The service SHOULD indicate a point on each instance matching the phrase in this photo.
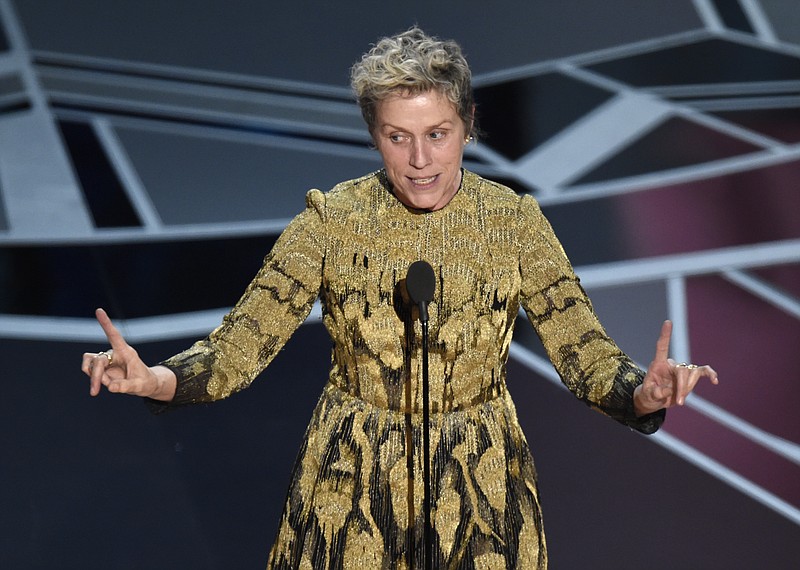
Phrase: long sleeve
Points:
(589, 363)
(273, 305)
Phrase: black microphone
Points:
(420, 283)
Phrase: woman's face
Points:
(421, 140)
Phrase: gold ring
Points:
(682, 365)
(692, 366)
(107, 355)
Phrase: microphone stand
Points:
(421, 283)
(426, 441)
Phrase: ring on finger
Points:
(108, 355)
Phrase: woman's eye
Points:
(437, 135)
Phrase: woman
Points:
(356, 491)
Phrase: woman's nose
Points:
(420, 155)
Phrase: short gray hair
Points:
(413, 62)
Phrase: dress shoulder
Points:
(349, 195)
(492, 193)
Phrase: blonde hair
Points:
(411, 63)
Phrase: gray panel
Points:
(168, 98)
(204, 180)
(42, 197)
(318, 45)
(784, 18)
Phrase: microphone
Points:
(420, 283)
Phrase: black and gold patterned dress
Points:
(355, 499)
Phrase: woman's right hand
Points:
(121, 370)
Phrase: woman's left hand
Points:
(667, 382)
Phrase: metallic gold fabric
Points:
(355, 499)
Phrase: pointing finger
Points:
(112, 333)
(662, 344)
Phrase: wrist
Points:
(165, 383)
(640, 403)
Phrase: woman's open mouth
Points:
(424, 181)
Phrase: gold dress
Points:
(355, 499)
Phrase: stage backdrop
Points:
(150, 153)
